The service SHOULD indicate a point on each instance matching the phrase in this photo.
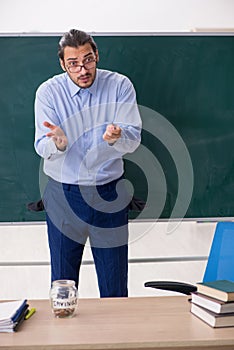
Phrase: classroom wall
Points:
(155, 254)
(112, 16)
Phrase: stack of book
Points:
(12, 314)
(213, 302)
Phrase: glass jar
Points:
(63, 298)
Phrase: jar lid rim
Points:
(64, 282)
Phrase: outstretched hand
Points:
(112, 133)
(57, 135)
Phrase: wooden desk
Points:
(128, 323)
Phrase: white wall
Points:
(111, 16)
(24, 256)
(154, 255)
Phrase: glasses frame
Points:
(79, 67)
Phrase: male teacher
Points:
(86, 119)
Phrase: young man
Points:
(86, 119)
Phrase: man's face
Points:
(76, 57)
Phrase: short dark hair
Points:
(75, 38)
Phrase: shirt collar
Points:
(75, 89)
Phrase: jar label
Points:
(64, 303)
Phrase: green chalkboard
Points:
(186, 80)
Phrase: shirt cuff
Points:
(52, 149)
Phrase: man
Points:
(86, 119)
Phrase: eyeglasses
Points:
(74, 67)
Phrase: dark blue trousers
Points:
(75, 213)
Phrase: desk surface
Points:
(127, 323)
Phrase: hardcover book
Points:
(212, 304)
(222, 289)
(211, 318)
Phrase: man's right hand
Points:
(57, 135)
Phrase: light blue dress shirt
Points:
(83, 114)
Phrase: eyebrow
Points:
(75, 58)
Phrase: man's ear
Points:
(97, 56)
(62, 64)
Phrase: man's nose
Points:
(83, 69)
